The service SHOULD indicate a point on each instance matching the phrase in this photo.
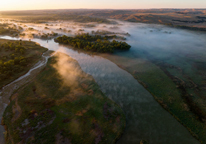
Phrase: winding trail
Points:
(7, 91)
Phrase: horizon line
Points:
(99, 9)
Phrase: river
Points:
(146, 119)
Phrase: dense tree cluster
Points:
(104, 32)
(95, 43)
(11, 46)
(14, 62)
(112, 34)
(48, 35)
(5, 29)
(30, 29)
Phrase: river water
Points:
(146, 119)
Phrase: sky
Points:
(98, 4)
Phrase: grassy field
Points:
(62, 105)
(32, 53)
(171, 88)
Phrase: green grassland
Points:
(16, 58)
(173, 87)
(62, 106)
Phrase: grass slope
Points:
(62, 105)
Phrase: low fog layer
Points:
(144, 115)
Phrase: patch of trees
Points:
(46, 36)
(5, 29)
(186, 27)
(9, 68)
(14, 62)
(14, 47)
(94, 43)
(30, 29)
(89, 25)
(20, 28)
(80, 30)
(186, 21)
(104, 32)
(110, 35)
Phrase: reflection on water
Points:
(146, 119)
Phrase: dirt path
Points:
(7, 91)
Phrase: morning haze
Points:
(103, 72)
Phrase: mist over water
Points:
(146, 119)
(163, 42)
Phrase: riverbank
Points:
(62, 105)
(8, 90)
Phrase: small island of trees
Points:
(95, 43)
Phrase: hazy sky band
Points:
(99, 4)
